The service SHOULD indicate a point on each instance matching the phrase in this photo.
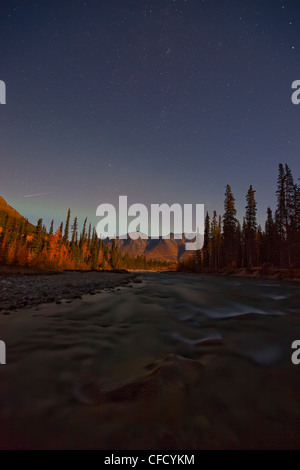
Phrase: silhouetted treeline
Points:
(230, 245)
(64, 249)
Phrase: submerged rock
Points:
(172, 372)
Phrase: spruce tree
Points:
(280, 214)
(229, 229)
(51, 228)
(290, 220)
(67, 226)
(74, 237)
(94, 250)
(289, 199)
(297, 207)
(270, 252)
(83, 235)
(207, 242)
(38, 238)
(251, 226)
(89, 236)
(215, 240)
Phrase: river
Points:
(179, 361)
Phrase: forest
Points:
(229, 245)
(65, 248)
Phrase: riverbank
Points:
(24, 289)
(272, 274)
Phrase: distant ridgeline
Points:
(228, 244)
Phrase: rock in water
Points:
(173, 372)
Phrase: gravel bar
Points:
(26, 290)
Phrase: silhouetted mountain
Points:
(158, 249)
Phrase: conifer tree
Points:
(83, 235)
(66, 234)
(289, 199)
(280, 214)
(73, 247)
(51, 228)
(207, 242)
(251, 226)
(89, 236)
(270, 240)
(215, 241)
(297, 208)
(229, 229)
(38, 238)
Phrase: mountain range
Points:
(136, 244)
(161, 249)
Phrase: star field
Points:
(163, 101)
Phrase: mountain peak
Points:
(6, 209)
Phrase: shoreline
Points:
(277, 275)
(25, 287)
(20, 290)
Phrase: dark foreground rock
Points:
(173, 374)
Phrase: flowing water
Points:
(180, 361)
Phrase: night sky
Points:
(162, 101)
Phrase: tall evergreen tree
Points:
(290, 214)
(83, 234)
(51, 228)
(94, 250)
(297, 207)
(289, 199)
(74, 233)
(251, 226)
(215, 241)
(89, 236)
(38, 238)
(280, 214)
(207, 242)
(270, 237)
(67, 226)
(230, 247)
